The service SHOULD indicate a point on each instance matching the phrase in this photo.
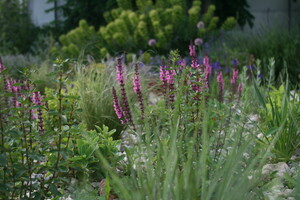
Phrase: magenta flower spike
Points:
(136, 81)
(171, 82)
(220, 80)
(121, 81)
(195, 64)
(192, 50)
(120, 72)
(138, 90)
(163, 77)
(117, 107)
(170, 76)
(206, 61)
(208, 71)
(182, 64)
(2, 67)
(37, 100)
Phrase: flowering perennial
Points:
(117, 107)
(138, 90)
(234, 79)
(125, 104)
(220, 80)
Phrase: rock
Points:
(279, 192)
(281, 168)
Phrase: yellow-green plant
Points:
(169, 23)
(83, 38)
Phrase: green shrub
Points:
(281, 121)
(43, 145)
(170, 23)
(84, 38)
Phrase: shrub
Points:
(43, 145)
(170, 23)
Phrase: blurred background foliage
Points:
(114, 27)
(17, 33)
(131, 26)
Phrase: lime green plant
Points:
(83, 38)
(283, 116)
(169, 23)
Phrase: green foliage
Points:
(281, 118)
(191, 148)
(283, 46)
(94, 84)
(73, 11)
(83, 38)
(130, 30)
(41, 155)
(239, 9)
(89, 147)
(17, 33)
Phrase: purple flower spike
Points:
(163, 76)
(37, 100)
(192, 50)
(206, 61)
(138, 90)
(26, 85)
(170, 80)
(117, 106)
(170, 76)
(126, 108)
(208, 72)
(2, 67)
(120, 71)
(182, 63)
(220, 80)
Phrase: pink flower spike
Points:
(117, 106)
(2, 67)
(120, 72)
(192, 50)
(220, 80)
(136, 81)
(206, 61)
(234, 79)
(170, 76)
(208, 72)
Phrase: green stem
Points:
(13, 175)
